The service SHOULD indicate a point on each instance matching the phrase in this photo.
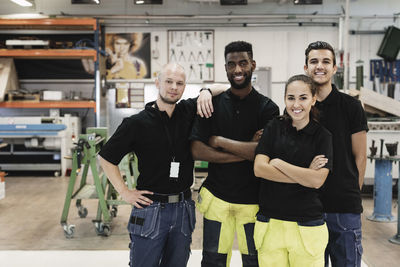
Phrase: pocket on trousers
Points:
(359, 247)
(143, 222)
(204, 200)
(260, 231)
(188, 218)
(348, 221)
(314, 238)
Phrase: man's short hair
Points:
(239, 46)
(318, 45)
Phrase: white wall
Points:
(281, 48)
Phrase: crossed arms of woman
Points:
(278, 170)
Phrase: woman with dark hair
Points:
(293, 157)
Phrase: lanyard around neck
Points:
(164, 123)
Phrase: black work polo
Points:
(285, 201)
(236, 119)
(343, 116)
(146, 134)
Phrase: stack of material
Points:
(378, 103)
(8, 76)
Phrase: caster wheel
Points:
(82, 212)
(114, 211)
(102, 229)
(69, 231)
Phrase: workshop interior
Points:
(61, 98)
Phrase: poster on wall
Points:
(128, 56)
(194, 50)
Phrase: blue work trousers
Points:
(161, 234)
(344, 246)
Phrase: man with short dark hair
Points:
(228, 198)
(344, 117)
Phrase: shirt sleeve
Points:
(269, 111)
(324, 147)
(265, 145)
(358, 120)
(201, 130)
(120, 143)
(190, 107)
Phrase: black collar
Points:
(230, 95)
(309, 129)
(332, 97)
(153, 108)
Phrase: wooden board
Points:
(380, 102)
(8, 76)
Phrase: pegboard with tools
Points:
(385, 77)
(194, 50)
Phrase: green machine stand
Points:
(85, 153)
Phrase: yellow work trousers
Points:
(285, 243)
(221, 220)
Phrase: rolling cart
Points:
(85, 153)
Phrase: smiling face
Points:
(171, 84)
(320, 66)
(298, 101)
(239, 68)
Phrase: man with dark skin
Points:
(228, 198)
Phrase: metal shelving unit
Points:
(56, 24)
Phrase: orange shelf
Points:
(48, 53)
(75, 23)
(49, 104)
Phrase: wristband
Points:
(208, 89)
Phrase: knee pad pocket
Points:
(249, 232)
(211, 235)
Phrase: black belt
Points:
(171, 198)
(318, 222)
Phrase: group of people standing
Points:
(288, 186)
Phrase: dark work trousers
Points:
(161, 234)
(344, 246)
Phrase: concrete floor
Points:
(30, 220)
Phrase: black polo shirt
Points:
(236, 119)
(293, 202)
(145, 134)
(343, 116)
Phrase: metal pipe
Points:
(340, 42)
(239, 16)
(226, 25)
(346, 53)
(208, 17)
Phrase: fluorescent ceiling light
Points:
(22, 2)
(148, 2)
(24, 16)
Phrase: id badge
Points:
(174, 170)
